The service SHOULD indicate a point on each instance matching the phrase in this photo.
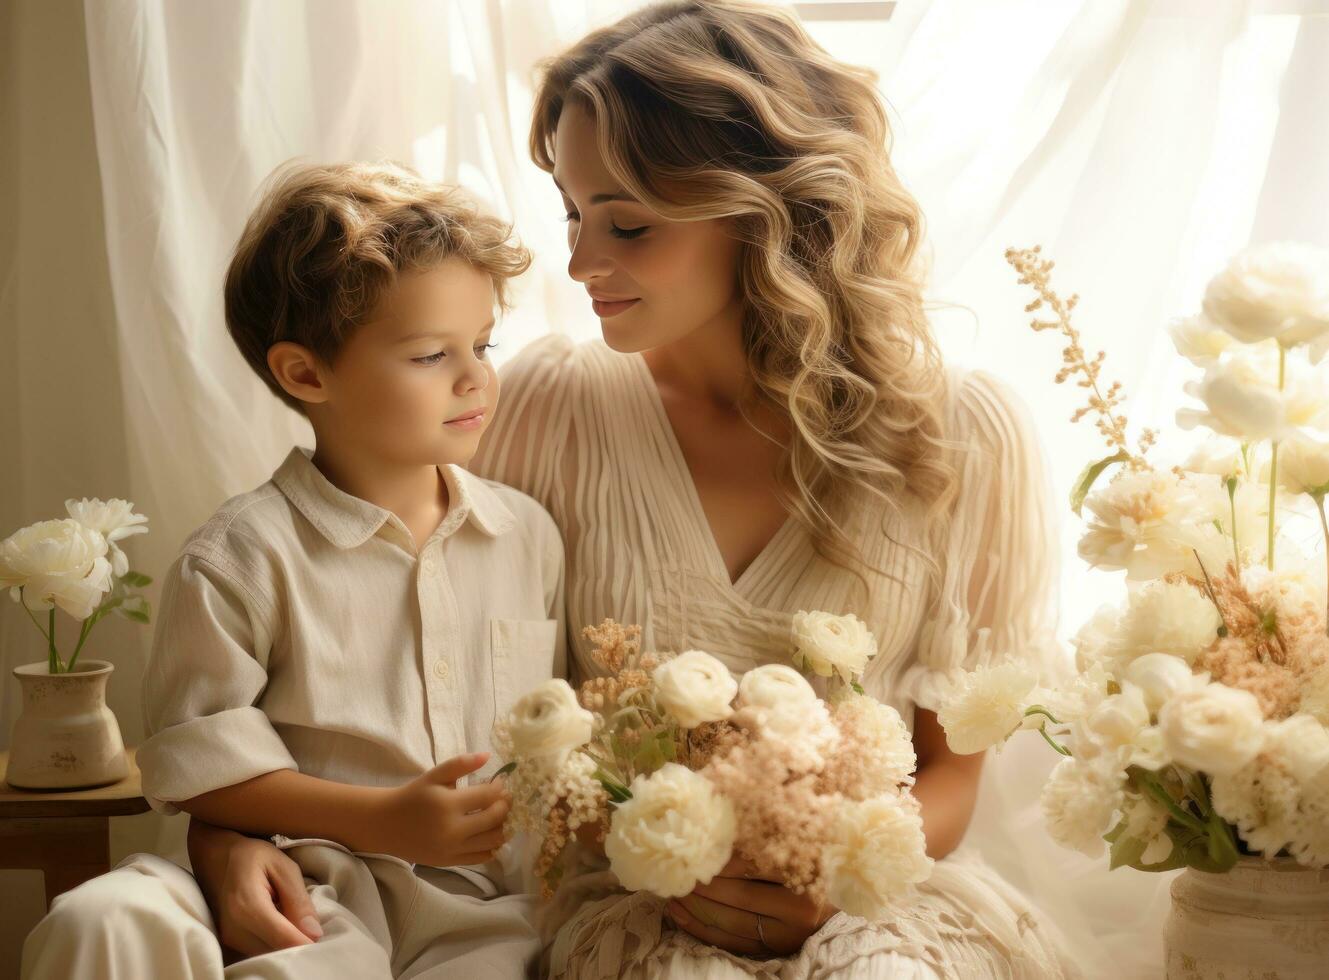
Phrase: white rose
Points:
(1079, 801)
(1161, 676)
(694, 688)
(677, 831)
(1170, 617)
(1303, 465)
(826, 644)
(877, 850)
(1273, 291)
(115, 519)
(775, 686)
(60, 563)
(1117, 722)
(1215, 729)
(986, 706)
(1198, 340)
(548, 722)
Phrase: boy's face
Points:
(414, 385)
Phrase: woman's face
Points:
(651, 281)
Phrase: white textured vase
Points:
(66, 737)
(1263, 920)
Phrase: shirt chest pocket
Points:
(521, 652)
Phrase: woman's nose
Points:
(587, 260)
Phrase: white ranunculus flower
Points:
(548, 722)
(1214, 729)
(1150, 522)
(775, 686)
(115, 519)
(876, 852)
(1198, 340)
(1273, 291)
(827, 644)
(1169, 617)
(1117, 722)
(1217, 456)
(1242, 398)
(1162, 676)
(694, 688)
(676, 832)
(1303, 465)
(61, 563)
(1079, 801)
(985, 706)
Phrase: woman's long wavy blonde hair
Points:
(720, 109)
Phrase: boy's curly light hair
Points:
(327, 241)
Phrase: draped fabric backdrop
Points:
(1140, 142)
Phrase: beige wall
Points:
(61, 415)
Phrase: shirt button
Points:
(441, 670)
(427, 566)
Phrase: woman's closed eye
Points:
(618, 232)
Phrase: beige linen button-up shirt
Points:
(301, 629)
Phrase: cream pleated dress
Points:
(583, 430)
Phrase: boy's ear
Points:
(299, 371)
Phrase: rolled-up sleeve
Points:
(206, 674)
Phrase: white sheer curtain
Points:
(1139, 142)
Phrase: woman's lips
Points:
(467, 422)
(605, 308)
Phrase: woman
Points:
(768, 427)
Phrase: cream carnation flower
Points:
(547, 723)
(827, 644)
(880, 736)
(694, 688)
(877, 851)
(1198, 340)
(986, 706)
(1149, 523)
(1315, 695)
(677, 831)
(1214, 729)
(61, 563)
(1274, 291)
(1169, 617)
(115, 519)
(1079, 801)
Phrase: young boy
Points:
(333, 647)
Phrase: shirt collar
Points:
(348, 522)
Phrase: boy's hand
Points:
(431, 821)
(257, 893)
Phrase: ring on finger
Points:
(761, 936)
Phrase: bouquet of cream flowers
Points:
(75, 563)
(676, 768)
(1195, 728)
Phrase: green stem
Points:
(88, 624)
(1273, 465)
(1058, 747)
(1232, 502)
(53, 664)
(1038, 709)
(1150, 785)
(1324, 526)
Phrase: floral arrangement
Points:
(76, 563)
(676, 767)
(1194, 730)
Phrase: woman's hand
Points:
(256, 893)
(748, 915)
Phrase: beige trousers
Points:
(380, 918)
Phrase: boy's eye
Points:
(483, 350)
(618, 232)
(429, 359)
(572, 216)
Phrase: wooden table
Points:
(64, 834)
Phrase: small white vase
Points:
(66, 737)
(1263, 920)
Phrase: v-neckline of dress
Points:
(715, 557)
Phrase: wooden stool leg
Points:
(68, 850)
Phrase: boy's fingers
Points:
(468, 799)
(476, 857)
(453, 769)
(490, 840)
(490, 818)
(293, 898)
(269, 927)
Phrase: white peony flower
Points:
(1198, 340)
(694, 688)
(1161, 676)
(677, 831)
(827, 644)
(56, 563)
(548, 722)
(115, 519)
(877, 851)
(1274, 291)
(1242, 398)
(1079, 801)
(1169, 617)
(1303, 465)
(986, 706)
(1149, 523)
(1117, 722)
(1214, 729)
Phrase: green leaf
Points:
(510, 767)
(135, 607)
(1085, 481)
(135, 580)
(858, 688)
(1125, 852)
